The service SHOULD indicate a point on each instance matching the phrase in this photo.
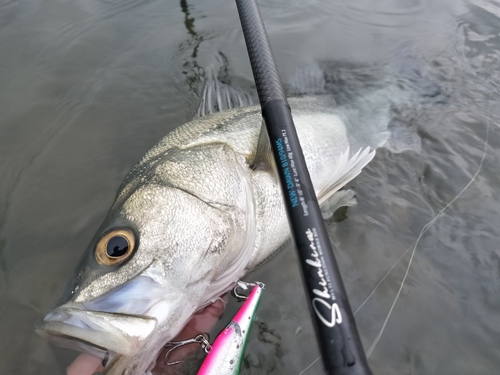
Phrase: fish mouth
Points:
(125, 323)
(96, 333)
(117, 322)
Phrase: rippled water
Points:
(86, 87)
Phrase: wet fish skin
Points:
(205, 209)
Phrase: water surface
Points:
(87, 87)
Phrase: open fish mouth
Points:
(117, 322)
(96, 332)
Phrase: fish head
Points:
(161, 254)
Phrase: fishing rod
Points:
(333, 321)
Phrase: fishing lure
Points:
(225, 355)
(224, 358)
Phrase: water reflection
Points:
(194, 73)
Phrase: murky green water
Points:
(87, 87)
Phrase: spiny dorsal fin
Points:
(218, 97)
(308, 80)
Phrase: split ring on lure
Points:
(245, 286)
(225, 355)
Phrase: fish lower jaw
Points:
(61, 340)
(97, 333)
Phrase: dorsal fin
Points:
(308, 80)
(217, 97)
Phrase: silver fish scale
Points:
(186, 194)
(203, 218)
(239, 128)
(210, 173)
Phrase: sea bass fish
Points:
(200, 210)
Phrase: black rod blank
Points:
(338, 338)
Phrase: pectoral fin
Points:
(347, 168)
(338, 199)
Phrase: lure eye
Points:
(115, 247)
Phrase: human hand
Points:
(202, 322)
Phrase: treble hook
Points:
(245, 286)
(201, 339)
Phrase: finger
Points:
(202, 322)
(84, 364)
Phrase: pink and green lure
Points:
(228, 348)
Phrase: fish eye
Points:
(115, 247)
